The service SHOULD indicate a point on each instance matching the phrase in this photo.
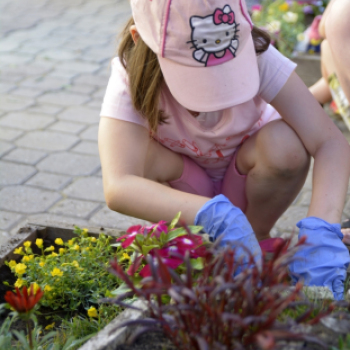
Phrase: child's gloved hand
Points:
(220, 218)
(324, 258)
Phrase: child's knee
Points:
(284, 154)
(162, 164)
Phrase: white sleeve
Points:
(274, 71)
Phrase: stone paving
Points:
(54, 68)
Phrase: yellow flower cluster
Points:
(19, 251)
(39, 242)
(284, 7)
(47, 288)
(92, 312)
(56, 272)
(19, 283)
(59, 241)
(20, 269)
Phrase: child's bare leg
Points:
(321, 92)
(320, 89)
(276, 163)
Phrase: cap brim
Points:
(207, 89)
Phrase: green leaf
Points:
(146, 249)
(123, 288)
(197, 264)
(174, 221)
(176, 233)
(163, 238)
(195, 229)
(139, 238)
(6, 283)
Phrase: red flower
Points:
(23, 302)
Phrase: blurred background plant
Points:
(286, 20)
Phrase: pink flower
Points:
(159, 228)
(130, 236)
(167, 259)
(257, 8)
(143, 230)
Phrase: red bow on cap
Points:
(221, 17)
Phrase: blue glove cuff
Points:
(314, 223)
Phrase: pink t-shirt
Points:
(212, 138)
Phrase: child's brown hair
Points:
(146, 78)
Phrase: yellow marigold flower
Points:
(12, 264)
(27, 258)
(41, 263)
(53, 254)
(61, 251)
(93, 239)
(19, 283)
(27, 244)
(20, 269)
(35, 287)
(50, 326)
(126, 256)
(56, 272)
(19, 251)
(39, 242)
(84, 232)
(50, 249)
(75, 263)
(70, 242)
(48, 288)
(92, 312)
(59, 241)
(284, 7)
(76, 247)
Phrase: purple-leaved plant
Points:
(215, 310)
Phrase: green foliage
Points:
(5, 335)
(283, 21)
(344, 343)
(79, 327)
(72, 274)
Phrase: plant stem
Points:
(29, 330)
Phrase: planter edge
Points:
(108, 338)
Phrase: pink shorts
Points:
(195, 180)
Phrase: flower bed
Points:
(49, 257)
(193, 295)
(41, 260)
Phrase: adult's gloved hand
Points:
(220, 218)
(323, 260)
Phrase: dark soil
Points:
(149, 341)
(5, 276)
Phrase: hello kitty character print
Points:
(214, 37)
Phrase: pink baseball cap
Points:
(204, 47)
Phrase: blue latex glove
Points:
(324, 259)
(220, 218)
